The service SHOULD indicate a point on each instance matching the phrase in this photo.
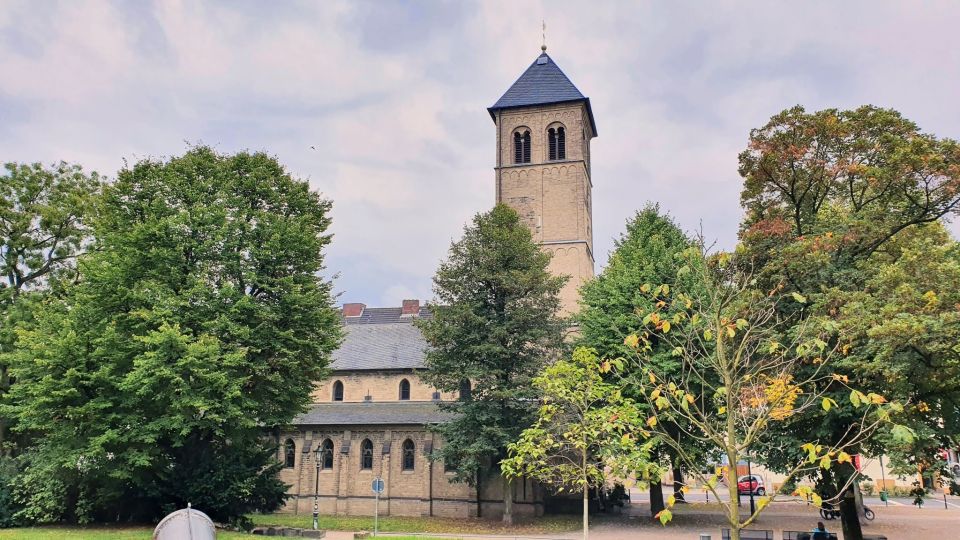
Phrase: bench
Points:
(748, 534)
(806, 535)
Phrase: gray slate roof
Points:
(370, 413)
(541, 84)
(380, 339)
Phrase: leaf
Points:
(741, 324)
(825, 404)
(664, 516)
(662, 403)
(708, 335)
(632, 341)
(652, 421)
(677, 351)
(645, 288)
(902, 433)
(825, 462)
(722, 410)
(817, 500)
(855, 398)
(799, 298)
(655, 394)
(671, 500)
(666, 327)
(731, 332)
(844, 457)
(653, 378)
(763, 502)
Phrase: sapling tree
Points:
(583, 430)
(739, 379)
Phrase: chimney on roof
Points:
(353, 310)
(411, 308)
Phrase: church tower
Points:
(544, 127)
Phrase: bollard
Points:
(945, 501)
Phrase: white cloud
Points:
(393, 97)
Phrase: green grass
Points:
(541, 525)
(94, 533)
(125, 533)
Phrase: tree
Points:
(198, 325)
(721, 329)
(583, 427)
(827, 196)
(43, 228)
(494, 325)
(645, 253)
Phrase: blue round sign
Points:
(377, 485)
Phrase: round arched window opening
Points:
(289, 454)
(404, 390)
(338, 391)
(409, 455)
(366, 455)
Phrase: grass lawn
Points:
(540, 525)
(122, 533)
(94, 533)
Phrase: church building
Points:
(371, 418)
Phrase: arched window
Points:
(404, 390)
(557, 139)
(326, 454)
(466, 391)
(521, 146)
(338, 391)
(366, 454)
(409, 455)
(289, 454)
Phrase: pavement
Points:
(898, 520)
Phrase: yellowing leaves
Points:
(632, 341)
(665, 327)
(652, 421)
(664, 516)
(844, 457)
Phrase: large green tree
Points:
(832, 198)
(494, 326)
(645, 254)
(43, 228)
(198, 324)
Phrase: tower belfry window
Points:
(557, 139)
(521, 146)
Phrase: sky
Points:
(381, 105)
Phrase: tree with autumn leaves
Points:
(843, 210)
(739, 380)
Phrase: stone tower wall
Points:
(552, 197)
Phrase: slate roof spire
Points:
(543, 83)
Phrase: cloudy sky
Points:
(381, 105)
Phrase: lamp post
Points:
(750, 484)
(318, 454)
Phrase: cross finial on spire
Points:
(544, 46)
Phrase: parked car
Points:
(751, 483)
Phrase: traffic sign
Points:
(377, 485)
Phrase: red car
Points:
(750, 484)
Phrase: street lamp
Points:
(318, 454)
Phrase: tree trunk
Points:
(656, 497)
(677, 481)
(479, 503)
(849, 517)
(586, 512)
(586, 498)
(507, 501)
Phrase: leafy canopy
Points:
(199, 322)
(494, 324)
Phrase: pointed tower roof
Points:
(542, 83)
